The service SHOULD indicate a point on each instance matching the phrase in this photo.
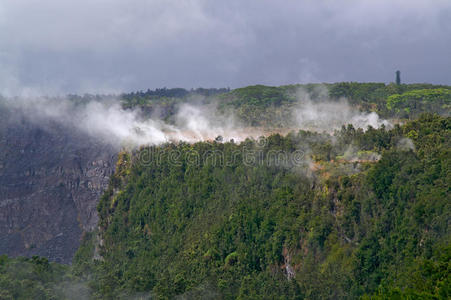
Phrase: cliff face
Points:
(51, 178)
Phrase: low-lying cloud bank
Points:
(109, 122)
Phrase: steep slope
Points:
(50, 180)
(292, 217)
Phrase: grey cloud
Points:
(110, 46)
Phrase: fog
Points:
(107, 121)
(328, 115)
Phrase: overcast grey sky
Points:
(64, 46)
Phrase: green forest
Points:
(268, 106)
(353, 214)
(235, 228)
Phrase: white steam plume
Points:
(325, 114)
(106, 120)
(109, 122)
(405, 144)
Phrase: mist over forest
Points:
(239, 150)
(269, 181)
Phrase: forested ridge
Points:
(308, 215)
(326, 228)
(261, 105)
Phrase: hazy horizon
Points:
(102, 47)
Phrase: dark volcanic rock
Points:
(51, 178)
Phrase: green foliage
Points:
(204, 220)
(236, 228)
(260, 105)
(269, 106)
(365, 214)
(83, 259)
(412, 103)
(37, 278)
(379, 97)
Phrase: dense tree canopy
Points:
(350, 214)
(334, 227)
(261, 105)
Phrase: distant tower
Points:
(398, 77)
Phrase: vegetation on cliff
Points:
(353, 214)
(37, 278)
(207, 219)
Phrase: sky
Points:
(112, 46)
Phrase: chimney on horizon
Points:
(398, 77)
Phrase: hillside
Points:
(326, 212)
(205, 219)
(51, 177)
(268, 106)
(225, 150)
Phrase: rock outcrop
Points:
(51, 177)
